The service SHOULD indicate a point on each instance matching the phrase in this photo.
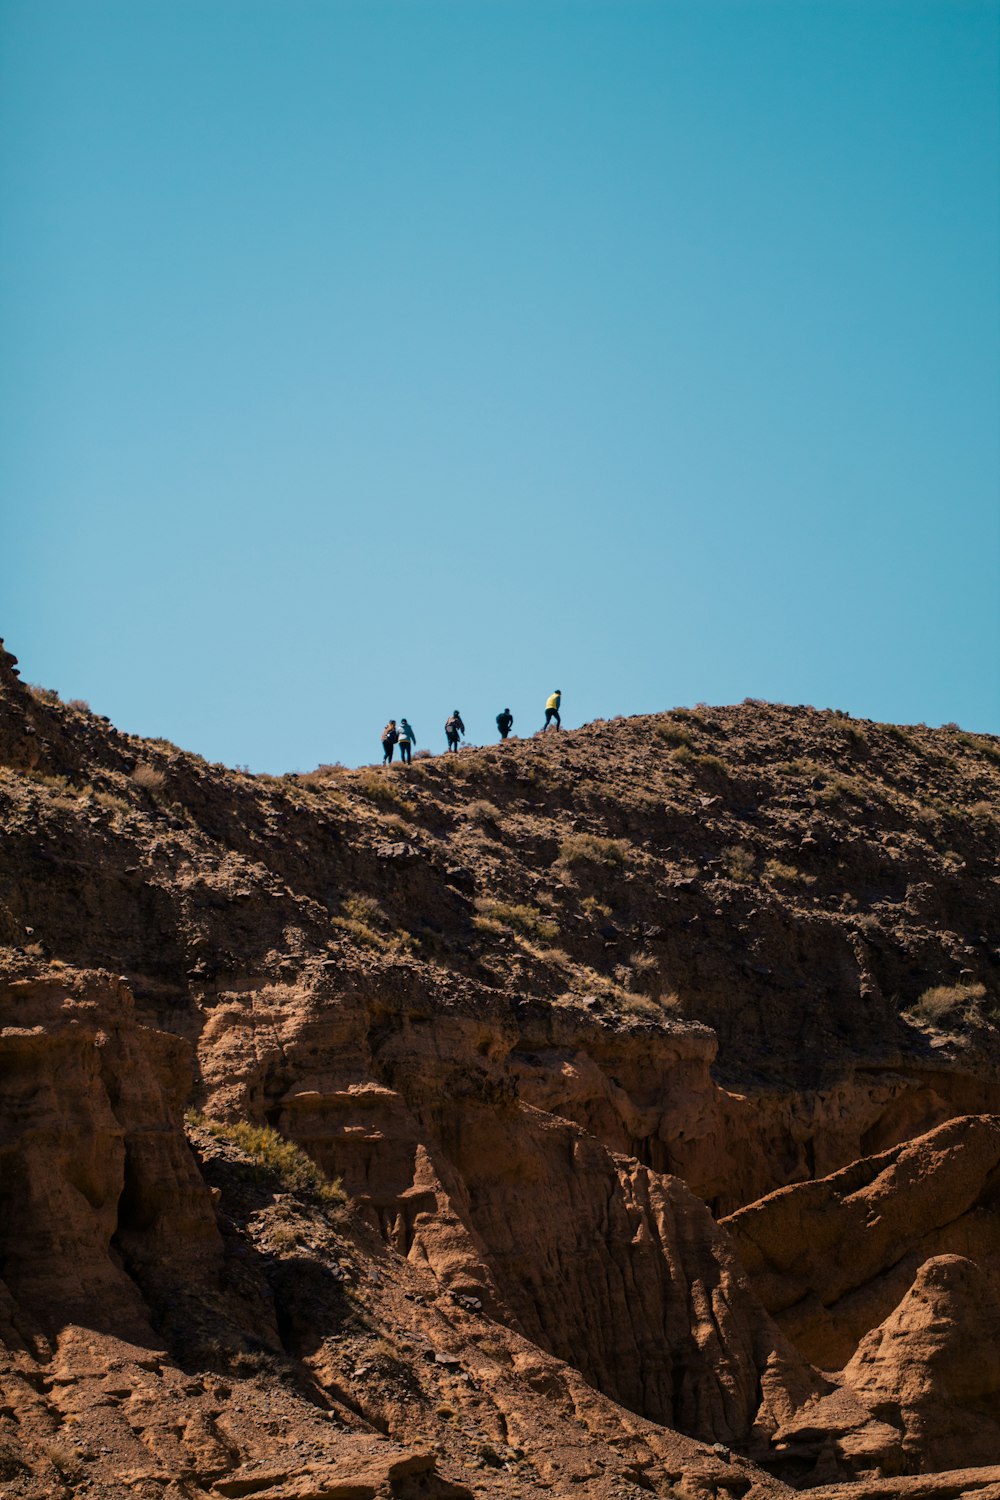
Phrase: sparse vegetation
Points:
(982, 744)
(588, 848)
(688, 716)
(53, 782)
(947, 1002)
(710, 763)
(364, 919)
(382, 788)
(280, 1163)
(504, 915)
(674, 734)
(595, 909)
(837, 787)
(110, 801)
(65, 1459)
(739, 862)
(484, 813)
(43, 694)
(149, 779)
(322, 777)
(781, 874)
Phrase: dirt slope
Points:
(548, 1010)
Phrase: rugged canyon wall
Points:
(657, 1062)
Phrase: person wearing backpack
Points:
(504, 722)
(453, 727)
(552, 709)
(390, 735)
(407, 739)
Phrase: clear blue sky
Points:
(367, 359)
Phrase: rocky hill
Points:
(611, 1113)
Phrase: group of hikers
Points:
(401, 734)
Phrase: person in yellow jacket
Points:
(552, 709)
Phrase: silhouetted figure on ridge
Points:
(454, 727)
(504, 722)
(552, 709)
(407, 740)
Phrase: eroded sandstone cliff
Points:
(550, 1011)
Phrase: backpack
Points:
(390, 736)
(451, 725)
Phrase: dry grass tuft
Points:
(588, 848)
(149, 779)
(947, 1003)
(494, 916)
(739, 862)
(281, 1164)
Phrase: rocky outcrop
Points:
(933, 1366)
(830, 1259)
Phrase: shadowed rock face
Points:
(545, 1009)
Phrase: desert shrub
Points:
(110, 801)
(43, 694)
(781, 874)
(80, 705)
(982, 744)
(688, 716)
(422, 755)
(946, 1001)
(148, 778)
(595, 909)
(739, 862)
(588, 848)
(837, 788)
(280, 1163)
(65, 1458)
(674, 734)
(396, 823)
(483, 812)
(364, 919)
(709, 763)
(382, 788)
(556, 958)
(527, 920)
(984, 812)
(53, 782)
(162, 743)
(643, 963)
(321, 777)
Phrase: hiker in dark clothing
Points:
(552, 709)
(407, 739)
(390, 735)
(453, 728)
(504, 722)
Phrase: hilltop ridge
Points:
(612, 1038)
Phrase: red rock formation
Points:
(830, 1259)
(512, 999)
